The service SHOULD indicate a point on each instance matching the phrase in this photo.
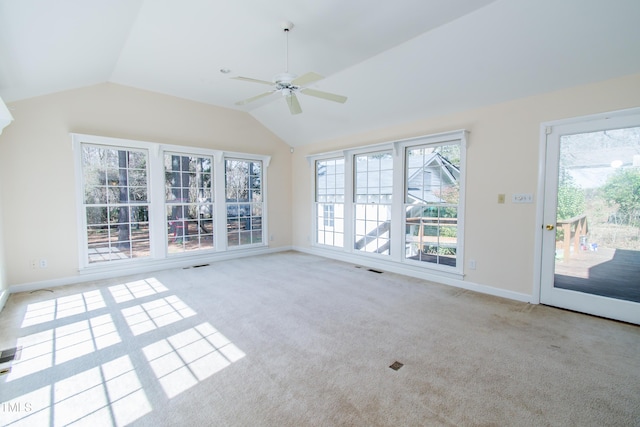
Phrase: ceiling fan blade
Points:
(294, 105)
(325, 95)
(307, 78)
(254, 98)
(249, 79)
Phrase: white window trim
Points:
(265, 232)
(449, 138)
(314, 214)
(397, 206)
(157, 221)
(352, 201)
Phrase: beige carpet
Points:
(295, 340)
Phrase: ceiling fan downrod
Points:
(287, 26)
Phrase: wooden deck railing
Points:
(573, 228)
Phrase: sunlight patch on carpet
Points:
(156, 314)
(136, 289)
(184, 359)
(42, 350)
(59, 308)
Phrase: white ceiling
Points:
(396, 61)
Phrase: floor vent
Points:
(375, 271)
(41, 290)
(195, 266)
(396, 365)
(10, 354)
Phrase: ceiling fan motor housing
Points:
(284, 78)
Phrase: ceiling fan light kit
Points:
(289, 84)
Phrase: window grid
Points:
(431, 204)
(372, 204)
(116, 205)
(244, 203)
(330, 202)
(189, 202)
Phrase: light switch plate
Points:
(522, 198)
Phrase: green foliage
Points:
(571, 200)
(439, 250)
(623, 190)
(448, 231)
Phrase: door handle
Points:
(550, 227)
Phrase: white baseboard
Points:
(417, 272)
(109, 272)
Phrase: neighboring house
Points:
(435, 173)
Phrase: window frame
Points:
(460, 214)
(437, 140)
(108, 204)
(316, 204)
(158, 230)
(181, 223)
(223, 184)
(355, 203)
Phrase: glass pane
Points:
(138, 194)
(140, 231)
(233, 239)
(96, 215)
(207, 227)
(97, 234)
(373, 228)
(95, 195)
(99, 252)
(256, 237)
(598, 214)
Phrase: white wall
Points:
(502, 157)
(36, 164)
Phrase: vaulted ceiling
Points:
(395, 61)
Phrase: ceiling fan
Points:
(290, 84)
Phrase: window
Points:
(431, 203)
(243, 185)
(142, 203)
(373, 192)
(115, 203)
(406, 202)
(330, 202)
(189, 202)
